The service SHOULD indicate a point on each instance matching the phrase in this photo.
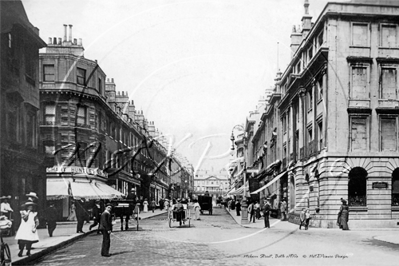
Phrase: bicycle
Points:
(5, 254)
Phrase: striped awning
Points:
(240, 191)
(59, 188)
(270, 183)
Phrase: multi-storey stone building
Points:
(21, 168)
(95, 142)
(216, 183)
(338, 133)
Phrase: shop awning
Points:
(59, 188)
(240, 191)
(270, 183)
(231, 191)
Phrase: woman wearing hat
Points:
(32, 196)
(344, 215)
(27, 233)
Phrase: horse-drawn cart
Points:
(206, 204)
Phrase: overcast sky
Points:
(193, 67)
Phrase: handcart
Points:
(181, 216)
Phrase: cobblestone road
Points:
(218, 240)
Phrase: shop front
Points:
(68, 184)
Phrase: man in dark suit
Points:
(106, 228)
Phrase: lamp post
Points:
(244, 205)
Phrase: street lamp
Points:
(244, 205)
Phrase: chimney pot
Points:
(112, 80)
(70, 32)
(65, 32)
(75, 41)
(80, 42)
(50, 40)
(54, 40)
(60, 41)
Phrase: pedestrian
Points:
(106, 229)
(257, 210)
(145, 205)
(233, 204)
(80, 215)
(5, 208)
(51, 218)
(161, 202)
(7, 211)
(32, 196)
(344, 215)
(251, 212)
(27, 233)
(283, 209)
(72, 212)
(266, 213)
(339, 217)
(302, 218)
(96, 215)
(152, 205)
(197, 209)
(238, 207)
(307, 219)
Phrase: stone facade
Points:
(21, 168)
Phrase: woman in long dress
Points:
(27, 233)
(72, 214)
(344, 215)
(197, 209)
(145, 205)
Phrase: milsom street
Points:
(212, 132)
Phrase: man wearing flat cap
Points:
(106, 229)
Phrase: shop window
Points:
(388, 83)
(48, 73)
(388, 36)
(81, 76)
(357, 187)
(359, 82)
(388, 129)
(395, 187)
(360, 34)
(358, 133)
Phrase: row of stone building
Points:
(67, 132)
(329, 127)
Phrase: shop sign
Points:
(380, 185)
(76, 170)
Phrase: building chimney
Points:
(65, 32)
(306, 20)
(50, 40)
(80, 42)
(70, 33)
(60, 41)
(54, 40)
(296, 38)
(75, 41)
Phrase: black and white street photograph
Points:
(199, 132)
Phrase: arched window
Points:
(395, 187)
(357, 187)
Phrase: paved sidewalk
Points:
(64, 234)
(392, 237)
